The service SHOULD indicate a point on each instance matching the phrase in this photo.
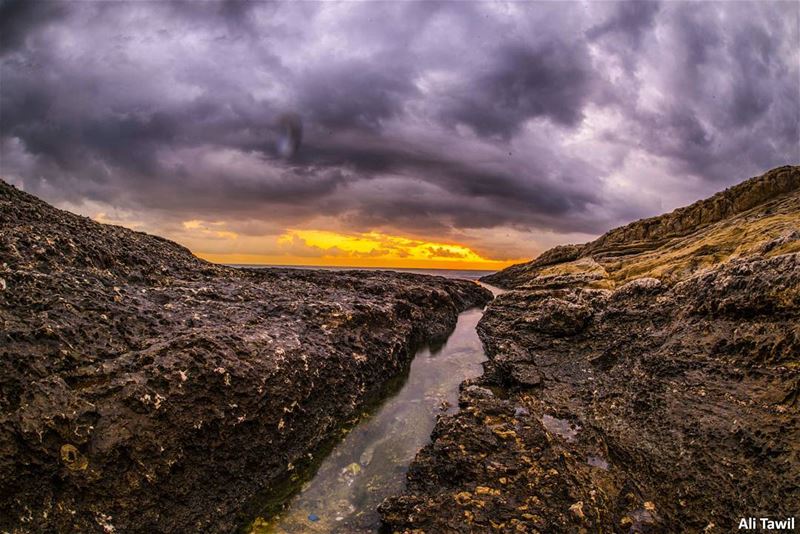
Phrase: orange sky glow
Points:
(369, 249)
(217, 242)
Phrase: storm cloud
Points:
(463, 121)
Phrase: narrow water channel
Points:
(370, 463)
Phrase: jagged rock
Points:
(679, 382)
(758, 216)
(146, 390)
(638, 286)
(555, 316)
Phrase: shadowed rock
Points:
(146, 390)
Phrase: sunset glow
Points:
(370, 249)
(461, 135)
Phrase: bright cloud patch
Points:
(382, 249)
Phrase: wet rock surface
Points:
(664, 403)
(144, 390)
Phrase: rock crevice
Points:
(661, 396)
(146, 390)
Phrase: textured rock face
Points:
(144, 390)
(762, 211)
(664, 403)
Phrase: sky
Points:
(405, 134)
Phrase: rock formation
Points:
(145, 390)
(647, 381)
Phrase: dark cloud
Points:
(624, 30)
(355, 94)
(629, 21)
(521, 83)
(428, 117)
(460, 193)
(726, 88)
(236, 10)
(19, 18)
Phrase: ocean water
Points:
(464, 274)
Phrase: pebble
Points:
(577, 509)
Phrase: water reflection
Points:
(371, 461)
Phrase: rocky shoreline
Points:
(644, 382)
(648, 381)
(146, 390)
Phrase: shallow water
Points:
(370, 463)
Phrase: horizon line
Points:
(350, 267)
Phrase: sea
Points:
(463, 274)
